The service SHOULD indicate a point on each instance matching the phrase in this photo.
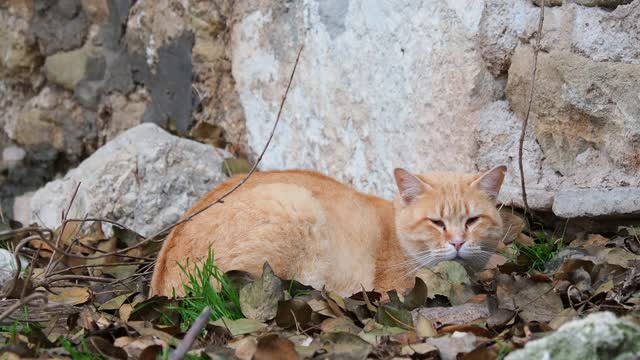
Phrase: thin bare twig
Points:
(192, 334)
(536, 49)
(255, 165)
(86, 266)
(48, 279)
(27, 300)
(51, 279)
(25, 287)
(61, 233)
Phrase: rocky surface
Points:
(374, 87)
(426, 86)
(585, 113)
(599, 335)
(145, 178)
(387, 78)
(76, 73)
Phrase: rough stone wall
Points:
(444, 85)
(76, 73)
(423, 85)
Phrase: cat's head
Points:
(448, 216)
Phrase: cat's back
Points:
(302, 222)
(279, 184)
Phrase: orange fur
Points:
(323, 233)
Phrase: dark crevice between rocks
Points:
(576, 227)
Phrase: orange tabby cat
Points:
(320, 232)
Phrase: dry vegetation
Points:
(85, 298)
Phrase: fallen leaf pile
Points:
(100, 309)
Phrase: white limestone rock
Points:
(598, 336)
(145, 178)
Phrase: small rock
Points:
(59, 25)
(145, 178)
(19, 51)
(12, 156)
(598, 336)
(35, 127)
(67, 68)
(8, 265)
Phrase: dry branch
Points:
(536, 49)
(192, 334)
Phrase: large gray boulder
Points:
(598, 336)
(145, 179)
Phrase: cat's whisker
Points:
(429, 263)
(418, 257)
(409, 262)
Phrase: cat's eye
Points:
(438, 223)
(471, 221)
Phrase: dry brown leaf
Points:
(513, 225)
(475, 329)
(69, 295)
(341, 324)
(144, 330)
(564, 316)
(135, 345)
(454, 315)
(534, 301)
(246, 348)
(321, 307)
(525, 240)
(421, 349)
(424, 327)
(274, 347)
(451, 346)
(115, 303)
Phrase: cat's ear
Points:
(491, 181)
(409, 185)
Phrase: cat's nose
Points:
(457, 244)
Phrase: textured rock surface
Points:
(374, 87)
(581, 105)
(17, 46)
(67, 69)
(586, 119)
(598, 336)
(380, 86)
(144, 178)
(76, 73)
